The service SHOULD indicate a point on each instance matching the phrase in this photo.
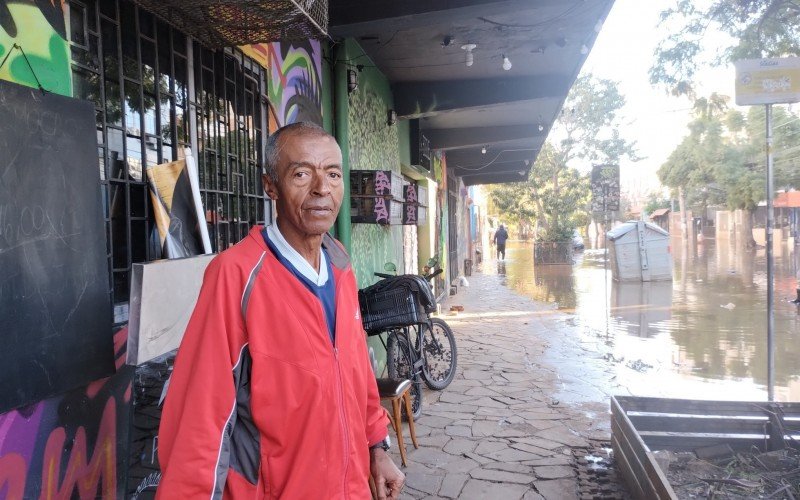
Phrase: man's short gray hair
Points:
(272, 147)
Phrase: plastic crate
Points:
(381, 309)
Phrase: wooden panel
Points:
(639, 425)
(642, 464)
(620, 455)
(629, 463)
(700, 407)
(689, 442)
(684, 423)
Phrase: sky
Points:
(623, 52)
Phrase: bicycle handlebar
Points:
(433, 274)
(427, 277)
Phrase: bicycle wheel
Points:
(439, 351)
(400, 365)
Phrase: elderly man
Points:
(273, 395)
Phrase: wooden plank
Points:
(639, 457)
(703, 407)
(690, 423)
(631, 479)
(635, 475)
(688, 442)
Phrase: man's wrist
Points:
(384, 445)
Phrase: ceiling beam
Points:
(472, 158)
(491, 168)
(418, 99)
(378, 17)
(494, 178)
(458, 138)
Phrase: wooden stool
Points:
(396, 390)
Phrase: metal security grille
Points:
(138, 72)
(452, 231)
(228, 96)
(230, 23)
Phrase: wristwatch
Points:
(384, 445)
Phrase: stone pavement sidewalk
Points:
(498, 431)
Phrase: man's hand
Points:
(388, 478)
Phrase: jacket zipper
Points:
(343, 422)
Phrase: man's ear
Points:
(269, 186)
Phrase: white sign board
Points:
(767, 81)
(163, 295)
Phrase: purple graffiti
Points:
(381, 212)
(382, 182)
(411, 214)
(411, 193)
(295, 87)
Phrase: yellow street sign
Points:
(767, 81)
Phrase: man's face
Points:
(309, 189)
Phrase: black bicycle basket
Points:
(397, 301)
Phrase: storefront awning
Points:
(225, 23)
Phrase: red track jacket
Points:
(260, 404)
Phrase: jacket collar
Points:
(336, 251)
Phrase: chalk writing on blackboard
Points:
(55, 309)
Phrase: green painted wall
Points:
(368, 143)
(45, 45)
(404, 142)
(372, 145)
(327, 86)
(439, 215)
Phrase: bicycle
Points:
(400, 306)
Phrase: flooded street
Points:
(701, 336)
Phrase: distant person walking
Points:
(500, 238)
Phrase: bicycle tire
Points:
(440, 353)
(400, 365)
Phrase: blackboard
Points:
(55, 309)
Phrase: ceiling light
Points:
(506, 63)
(448, 39)
(584, 49)
(483, 150)
(598, 26)
(541, 127)
(469, 47)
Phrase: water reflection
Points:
(638, 307)
(701, 335)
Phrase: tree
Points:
(722, 158)
(689, 167)
(756, 28)
(742, 169)
(655, 201)
(556, 194)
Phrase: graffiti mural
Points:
(37, 26)
(295, 80)
(69, 446)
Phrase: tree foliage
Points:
(557, 194)
(755, 29)
(722, 159)
(655, 201)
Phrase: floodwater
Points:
(702, 335)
